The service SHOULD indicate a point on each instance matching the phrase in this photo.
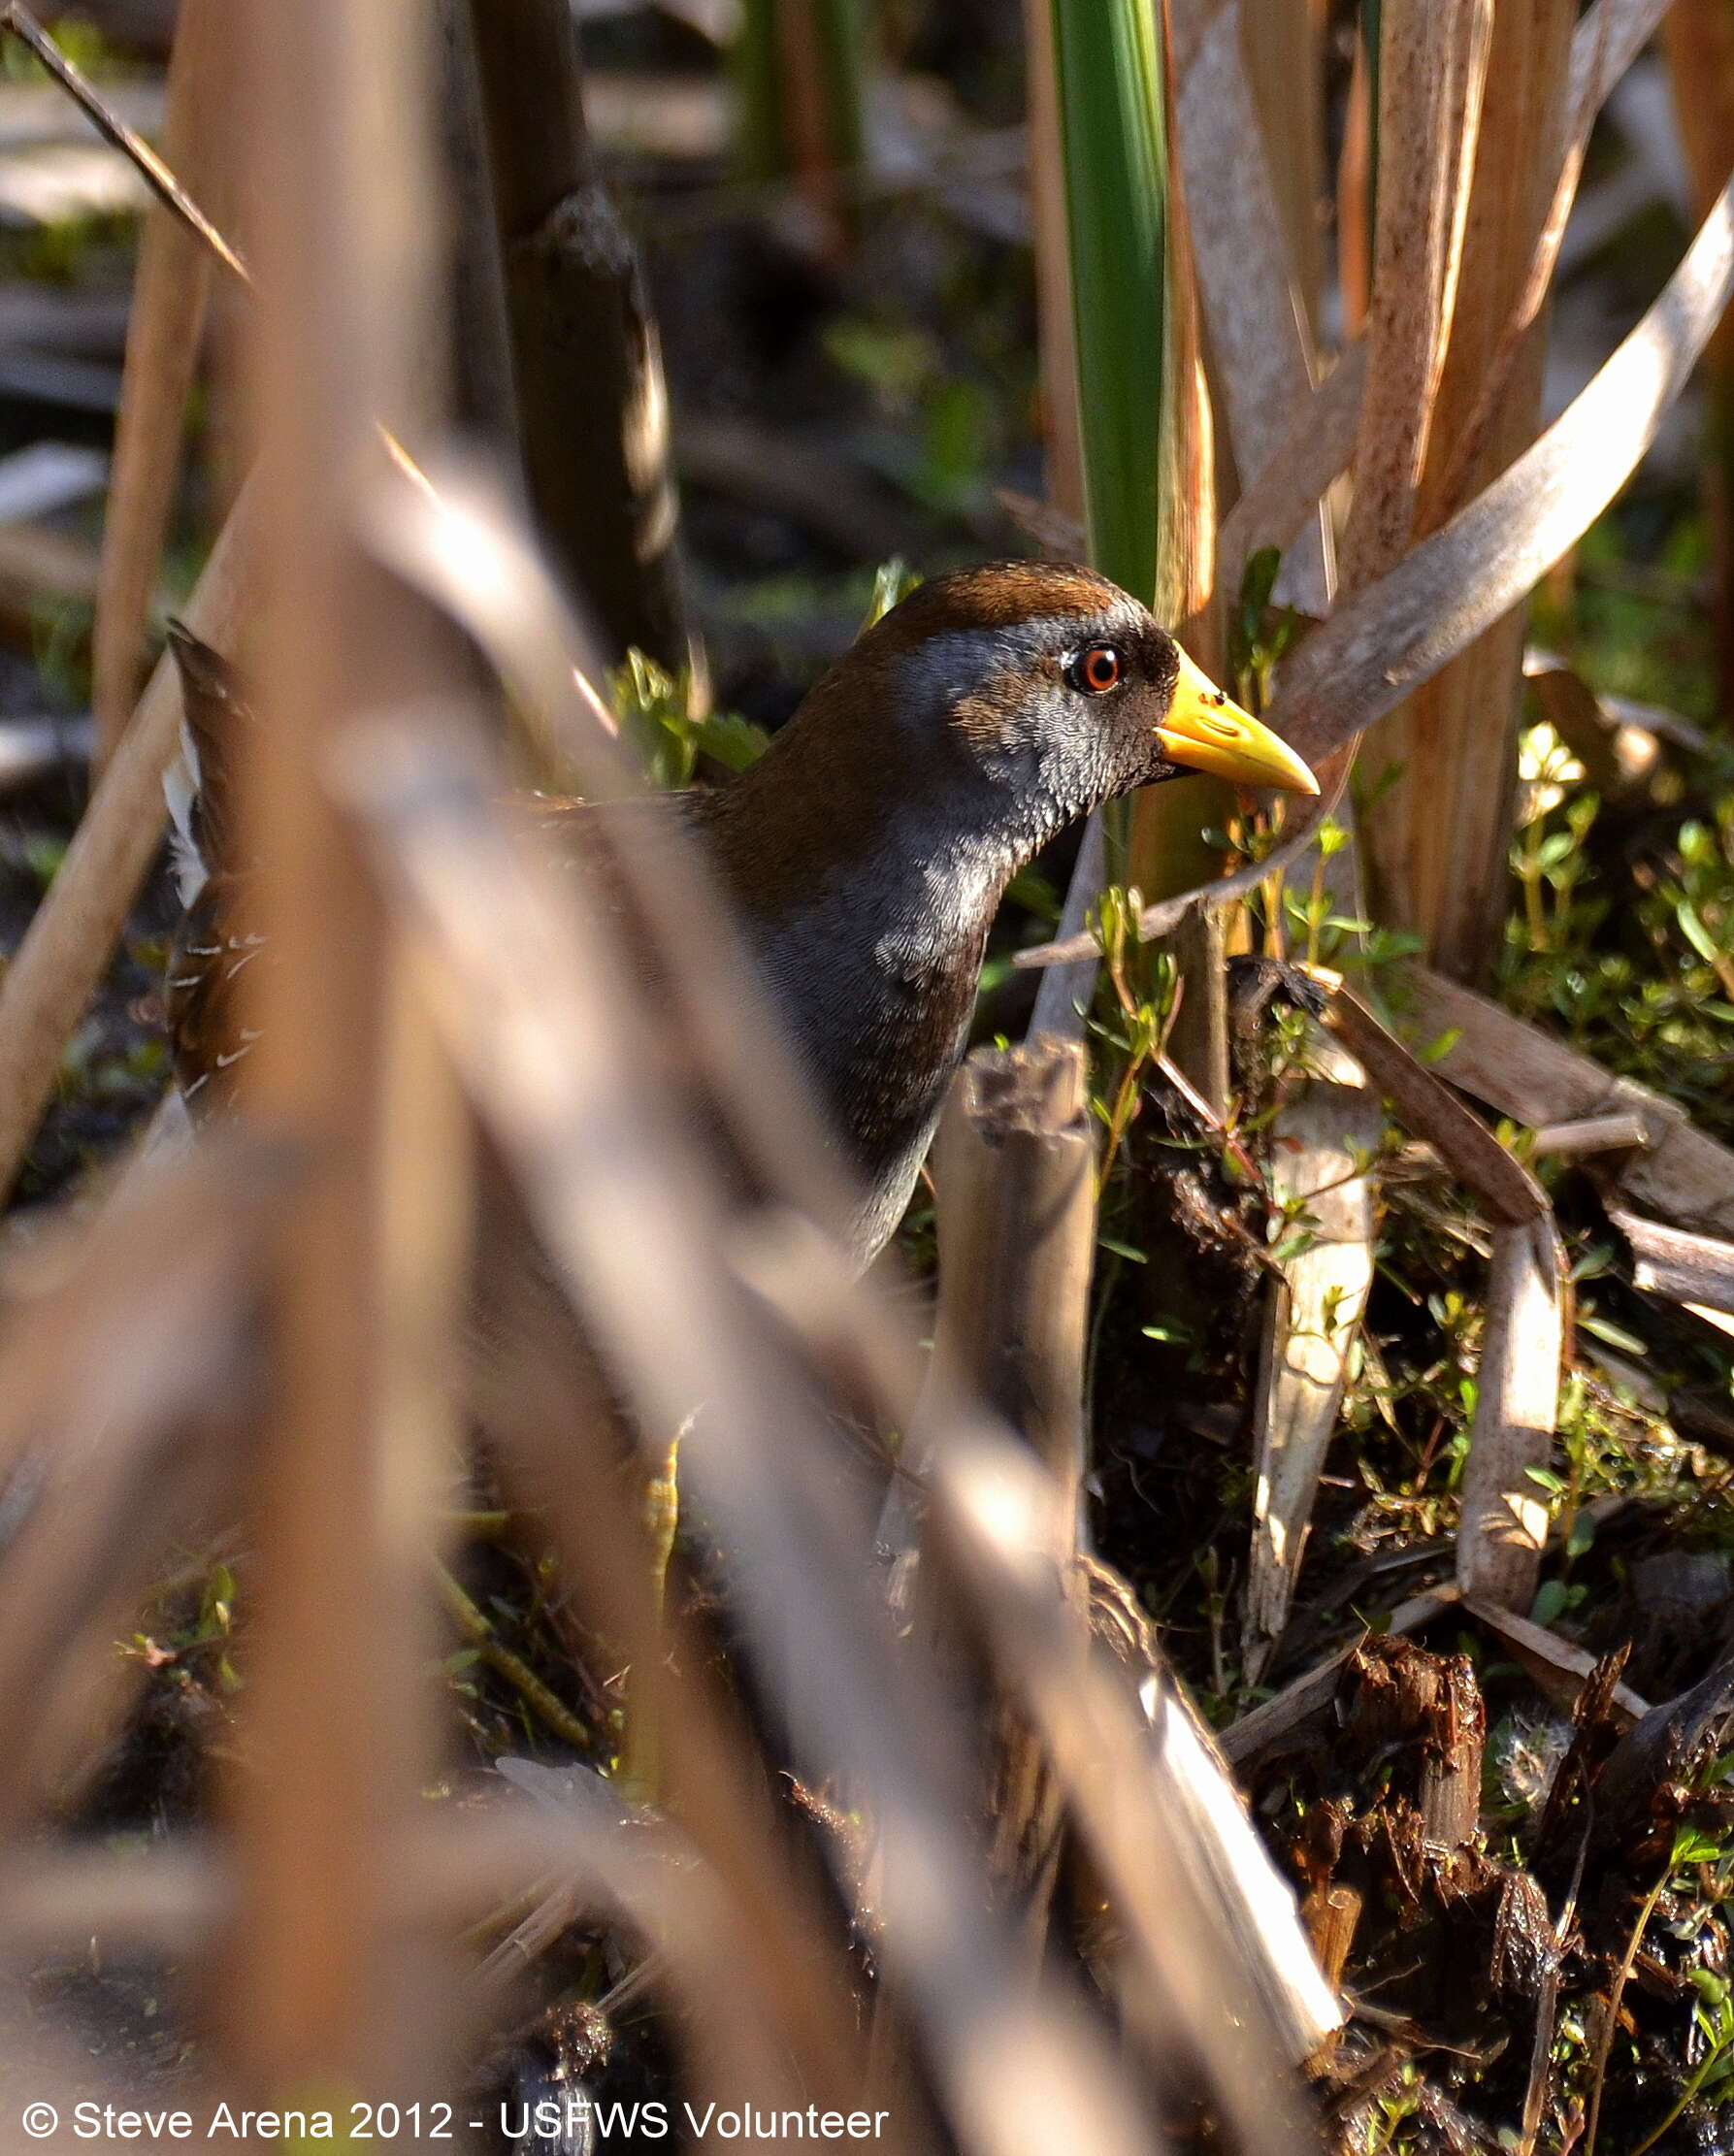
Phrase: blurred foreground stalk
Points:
(318, 1990)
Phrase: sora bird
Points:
(866, 851)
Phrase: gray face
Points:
(1059, 711)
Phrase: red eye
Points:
(1096, 669)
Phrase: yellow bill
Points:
(1205, 731)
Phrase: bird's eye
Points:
(1096, 669)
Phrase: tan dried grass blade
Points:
(1606, 43)
(1063, 457)
(1560, 1668)
(1457, 583)
(1317, 445)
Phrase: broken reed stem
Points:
(1015, 1172)
(1504, 1525)
(163, 337)
(1504, 1518)
(48, 986)
(1015, 1166)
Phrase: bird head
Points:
(1047, 679)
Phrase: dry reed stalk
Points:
(1355, 197)
(162, 182)
(592, 404)
(1431, 68)
(1462, 579)
(1430, 1110)
(1560, 1668)
(1321, 439)
(1314, 448)
(1064, 996)
(320, 1988)
(1437, 844)
(1587, 1134)
(1696, 1270)
(1282, 51)
(484, 400)
(528, 990)
(164, 334)
(1698, 40)
(1167, 850)
(1608, 39)
(52, 975)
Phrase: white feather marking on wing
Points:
(180, 790)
